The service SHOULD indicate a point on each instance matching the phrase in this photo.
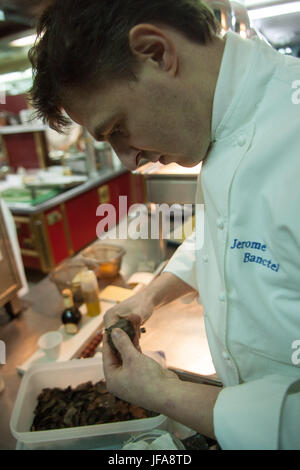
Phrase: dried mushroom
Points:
(85, 405)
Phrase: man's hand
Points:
(137, 309)
(136, 378)
(162, 290)
(133, 376)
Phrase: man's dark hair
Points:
(84, 43)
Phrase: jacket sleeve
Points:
(259, 415)
(183, 262)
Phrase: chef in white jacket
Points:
(247, 271)
(233, 104)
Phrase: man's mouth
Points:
(141, 159)
(138, 159)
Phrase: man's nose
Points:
(126, 154)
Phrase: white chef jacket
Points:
(248, 270)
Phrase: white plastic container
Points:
(63, 374)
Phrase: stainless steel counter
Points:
(177, 329)
(170, 184)
(102, 178)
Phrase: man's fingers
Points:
(113, 315)
(136, 321)
(112, 318)
(134, 318)
(110, 360)
(109, 357)
(123, 344)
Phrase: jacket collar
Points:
(244, 75)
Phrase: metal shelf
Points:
(20, 129)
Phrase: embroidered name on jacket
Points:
(250, 257)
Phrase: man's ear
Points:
(147, 42)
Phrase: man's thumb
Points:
(123, 343)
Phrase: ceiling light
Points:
(25, 41)
(274, 10)
(2, 15)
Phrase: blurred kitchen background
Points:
(47, 178)
(50, 188)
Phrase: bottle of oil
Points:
(90, 293)
(71, 316)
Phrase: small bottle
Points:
(90, 293)
(71, 316)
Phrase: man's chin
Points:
(189, 163)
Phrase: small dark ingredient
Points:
(125, 325)
(87, 404)
(195, 442)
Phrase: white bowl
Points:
(50, 343)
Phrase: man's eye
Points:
(115, 132)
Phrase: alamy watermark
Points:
(296, 93)
(2, 352)
(140, 224)
(295, 357)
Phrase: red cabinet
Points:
(32, 257)
(23, 145)
(56, 234)
(49, 237)
(81, 211)
(81, 218)
(43, 239)
(25, 149)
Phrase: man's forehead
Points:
(75, 110)
(96, 122)
(81, 114)
(100, 109)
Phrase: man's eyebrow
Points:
(101, 129)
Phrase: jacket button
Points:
(241, 140)
(205, 259)
(222, 296)
(226, 355)
(220, 223)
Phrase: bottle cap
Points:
(68, 298)
(67, 293)
(88, 281)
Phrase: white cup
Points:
(50, 343)
(25, 116)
